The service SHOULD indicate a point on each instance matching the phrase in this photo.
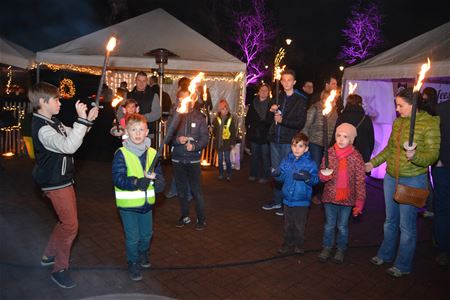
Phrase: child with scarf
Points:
(135, 188)
(224, 137)
(344, 189)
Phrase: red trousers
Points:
(65, 231)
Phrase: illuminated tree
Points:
(363, 33)
(253, 35)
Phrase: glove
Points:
(142, 183)
(275, 172)
(357, 209)
(302, 175)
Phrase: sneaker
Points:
(263, 180)
(428, 214)
(169, 195)
(47, 260)
(325, 254)
(279, 212)
(200, 225)
(228, 178)
(183, 221)
(339, 256)
(251, 178)
(376, 261)
(144, 261)
(134, 270)
(285, 249)
(299, 250)
(220, 178)
(395, 272)
(270, 206)
(63, 279)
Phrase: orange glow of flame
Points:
(423, 71)
(352, 88)
(278, 71)
(117, 99)
(192, 95)
(111, 44)
(327, 106)
(205, 95)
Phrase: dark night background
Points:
(315, 26)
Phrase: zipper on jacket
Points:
(63, 167)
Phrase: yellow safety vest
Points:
(127, 199)
(226, 134)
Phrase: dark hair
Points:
(406, 94)
(288, 72)
(300, 137)
(428, 101)
(354, 100)
(42, 90)
(130, 101)
(328, 79)
(183, 83)
(154, 78)
(141, 73)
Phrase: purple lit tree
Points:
(363, 33)
(254, 33)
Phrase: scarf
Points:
(342, 178)
(261, 107)
(137, 149)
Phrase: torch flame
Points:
(111, 44)
(327, 106)
(183, 106)
(205, 95)
(117, 99)
(352, 87)
(278, 71)
(423, 71)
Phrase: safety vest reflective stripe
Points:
(127, 199)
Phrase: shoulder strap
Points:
(360, 122)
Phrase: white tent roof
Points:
(15, 55)
(139, 35)
(404, 60)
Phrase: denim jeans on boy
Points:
(403, 218)
(277, 153)
(224, 155)
(260, 160)
(441, 198)
(138, 232)
(336, 216)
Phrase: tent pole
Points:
(38, 73)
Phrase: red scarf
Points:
(342, 178)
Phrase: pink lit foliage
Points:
(254, 34)
(363, 33)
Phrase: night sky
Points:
(315, 26)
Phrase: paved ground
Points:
(234, 258)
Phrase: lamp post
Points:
(161, 58)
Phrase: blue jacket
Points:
(297, 192)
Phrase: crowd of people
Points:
(287, 140)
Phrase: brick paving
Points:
(233, 258)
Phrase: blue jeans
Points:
(403, 218)
(138, 232)
(260, 157)
(441, 205)
(336, 216)
(173, 189)
(316, 153)
(221, 155)
(277, 153)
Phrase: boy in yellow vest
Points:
(135, 190)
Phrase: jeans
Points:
(336, 216)
(277, 153)
(65, 205)
(441, 198)
(403, 218)
(221, 155)
(260, 158)
(316, 153)
(173, 189)
(138, 230)
(189, 175)
(294, 225)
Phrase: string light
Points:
(74, 68)
(66, 88)
(20, 116)
(8, 84)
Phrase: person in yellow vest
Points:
(224, 137)
(135, 188)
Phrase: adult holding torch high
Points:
(411, 167)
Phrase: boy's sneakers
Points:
(339, 256)
(286, 249)
(228, 178)
(134, 270)
(279, 212)
(200, 225)
(395, 272)
(251, 178)
(220, 178)
(299, 250)
(271, 205)
(325, 254)
(183, 221)
(47, 261)
(376, 261)
(143, 260)
(63, 279)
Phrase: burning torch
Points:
(109, 48)
(325, 112)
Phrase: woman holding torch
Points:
(411, 167)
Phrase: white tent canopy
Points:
(139, 35)
(404, 60)
(14, 55)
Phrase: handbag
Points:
(405, 194)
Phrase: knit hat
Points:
(348, 129)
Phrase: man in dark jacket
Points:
(289, 116)
(190, 137)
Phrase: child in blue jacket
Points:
(298, 173)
